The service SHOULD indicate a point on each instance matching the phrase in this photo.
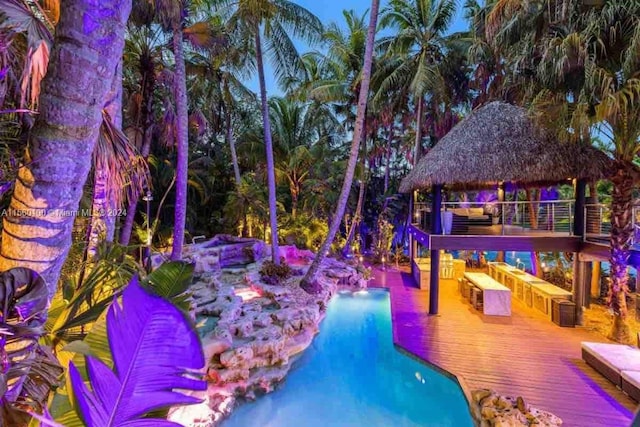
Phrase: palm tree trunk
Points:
(357, 217)
(102, 223)
(308, 282)
(37, 229)
(148, 86)
(417, 151)
(295, 196)
(271, 171)
(232, 144)
(113, 108)
(621, 231)
(182, 144)
(387, 168)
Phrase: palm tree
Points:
(583, 73)
(110, 179)
(346, 53)
(142, 58)
(612, 91)
(217, 79)
(172, 15)
(298, 130)
(267, 22)
(182, 136)
(47, 193)
(308, 282)
(414, 54)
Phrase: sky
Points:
(331, 11)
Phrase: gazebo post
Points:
(579, 266)
(412, 241)
(578, 210)
(436, 228)
(501, 194)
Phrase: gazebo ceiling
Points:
(499, 142)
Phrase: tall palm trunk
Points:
(357, 216)
(148, 86)
(294, 189)
(88, 45)
(182, 145)
(102, 223)
(229, 126)
(308, 282)
(621, 231)
(271, 170)
(387, 163)
(417, 151)
(113, 108)
(232, 145)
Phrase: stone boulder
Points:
(489, 409)
(224, 251)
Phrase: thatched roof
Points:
(500, 142)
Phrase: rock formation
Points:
(252, 330)
(490, 409)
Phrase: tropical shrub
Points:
(382, 239)
(27, 369)
(169, 281)
(274, 274)
(304, 232)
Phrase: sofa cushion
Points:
(460, 211)
(632, 377)
(631, 384)
(476, 212)
(616, 356)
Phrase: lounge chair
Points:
(619, 363)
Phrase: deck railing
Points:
(500, 218)
(513, 218)
(597, 224)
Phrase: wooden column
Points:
(436, 228)
(579, 286)
(587, 284)
(412, 251)
(501, 254)
(595, 279)
(578, 213)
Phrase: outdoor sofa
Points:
(619, 363)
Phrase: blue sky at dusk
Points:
(331, 11)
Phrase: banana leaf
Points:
(154, 350)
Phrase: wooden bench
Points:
(495, 296)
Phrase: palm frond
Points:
(126, 170)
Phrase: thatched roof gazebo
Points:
(496, 144)
(500, 142)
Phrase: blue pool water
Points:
(352, 376)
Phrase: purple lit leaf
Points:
(154, 348)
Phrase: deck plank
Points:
(522, 355)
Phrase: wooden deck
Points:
(522, 355)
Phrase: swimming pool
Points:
(353, 376)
